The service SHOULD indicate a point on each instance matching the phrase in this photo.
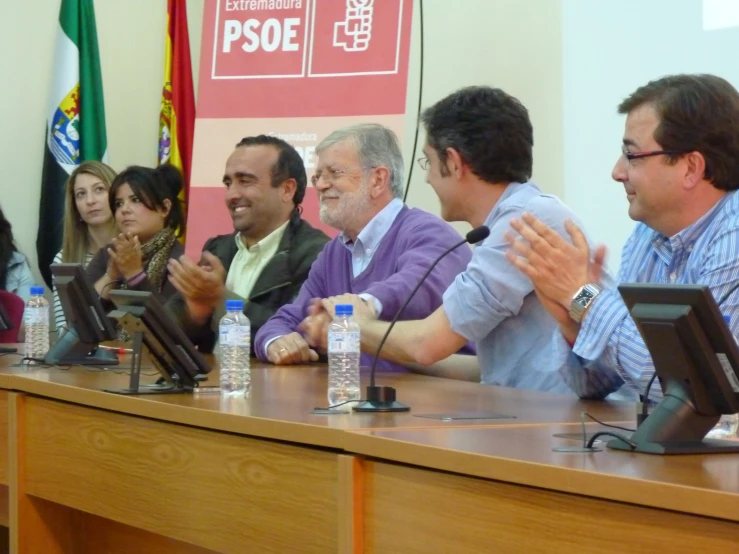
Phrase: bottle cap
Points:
(344, 309)
(37, 290)
(234, 305)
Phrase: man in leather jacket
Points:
(267, 258)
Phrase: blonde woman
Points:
(88, 221)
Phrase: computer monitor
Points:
(696, 359)
(174, 356)
(5, 325)
(87, 323)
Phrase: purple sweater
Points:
(414, 240)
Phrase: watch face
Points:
(584, 296)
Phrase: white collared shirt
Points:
(248, 263)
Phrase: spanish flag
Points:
(177, 115)
(75, 120)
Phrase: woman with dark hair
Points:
(149, 217)
(15, 275)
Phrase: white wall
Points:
(131, 40)
(513, 44)
(569, 61)
(609, 49)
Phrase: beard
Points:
(348, 209)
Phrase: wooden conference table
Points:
(85, 471)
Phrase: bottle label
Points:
(36, 315)
(343, 342)
(235, 335)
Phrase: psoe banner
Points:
(296, 69)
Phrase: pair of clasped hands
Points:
(298, 349)
(124, 257)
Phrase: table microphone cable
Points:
(591, 442)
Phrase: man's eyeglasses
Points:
(630, 156)
(423, 163)
(329, 175)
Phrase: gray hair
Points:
(377, 146)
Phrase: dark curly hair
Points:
(490, 130)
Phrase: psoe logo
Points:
(64, 135)
(355, 32)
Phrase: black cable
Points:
(618, 436)
(92, 368)
(608, 424)
(116, 282)
(39, 363)
(337, 405)
(645, 400)
(420, 99)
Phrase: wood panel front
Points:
(219, 491)
(411, 510)
(703, 485)
(96, 535)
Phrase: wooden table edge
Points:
(252, 426)
(630, 490)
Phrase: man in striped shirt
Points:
(680, 170)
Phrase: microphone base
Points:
(381, 399)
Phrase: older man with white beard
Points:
(381, 253)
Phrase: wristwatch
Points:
(582, 299)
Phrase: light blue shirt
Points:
(19, 278)
(494, 304)
(368, 240)
(609, 354)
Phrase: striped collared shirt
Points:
(610, 354)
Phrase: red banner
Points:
(297, 69)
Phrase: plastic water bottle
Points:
(343, 357)
(234, 337)
(36, 319)
(728, 425)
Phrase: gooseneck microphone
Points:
(382, 399)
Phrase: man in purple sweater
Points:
(381, 253)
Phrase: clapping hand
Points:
(203, 285)
(125, 255)
(556, 266)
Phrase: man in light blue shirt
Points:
(478, 159)
(680, 170)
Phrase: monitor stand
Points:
(674, 427)
(133, 386)
(71, 350)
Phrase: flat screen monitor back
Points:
(175, 356)
(87, 323)
(695, 357)
(5, 325)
